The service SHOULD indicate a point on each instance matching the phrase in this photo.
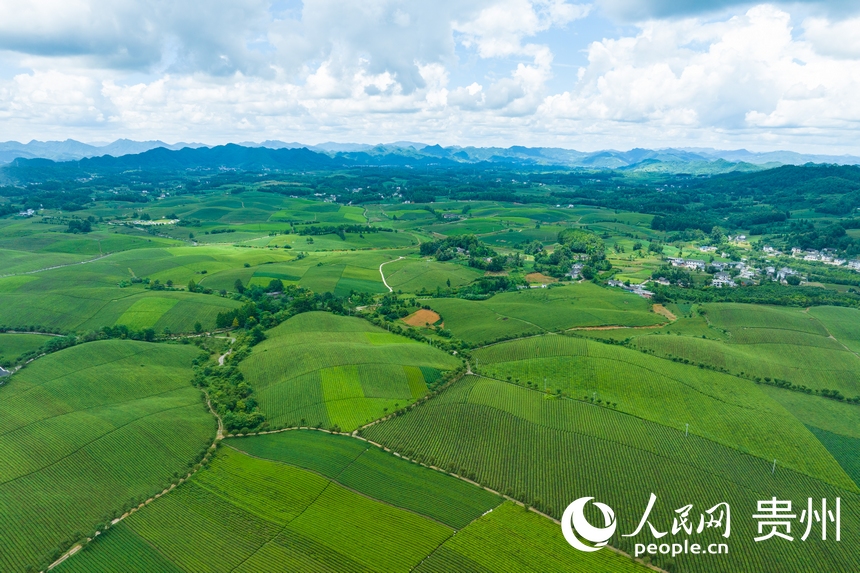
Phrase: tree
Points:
(793, 280)
(192, 286)
(240, 288)
(235, 322)
(198, 328)
(448, 282)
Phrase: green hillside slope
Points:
(89, 431)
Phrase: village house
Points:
(721, 280)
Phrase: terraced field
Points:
(713, 404)
(535, 311)
(322, 369)
(355, 509)
(86, 432)
(551, 451)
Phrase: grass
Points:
(14, 345)
(375, 473)
(337, 371)
(248, 514)
(842, 323)
(536, 311)
(672, 394)
(88, 430)
(733, 317)
(369, 511)
(485, 546)
(412, 275)
(803, 359)
(762, 342)
(550, 452)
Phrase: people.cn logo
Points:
(574, 525)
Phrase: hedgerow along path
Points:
(549, 452)
(311, 501)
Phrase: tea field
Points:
(317, 369)
(264, 513)
(88, 431)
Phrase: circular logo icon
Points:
(574, 525)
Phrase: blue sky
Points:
(605, 74)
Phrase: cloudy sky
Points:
(607, 74)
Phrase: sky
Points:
(607, 74)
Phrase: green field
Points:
(336, 272)
(357, 509)
(88, 431)
(576, 390)
(713, 404)
(841, 323)
(321, 369)
(411, 275)
(510, 539)
(766, 342)
(14, 345)
(550, 452)
(536, 311)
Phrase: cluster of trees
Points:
(765, 293)
(806, 235)
(480, 256)
(574, 245)
(230, 396)
(341, 230)
(79, 226)
(675, 275)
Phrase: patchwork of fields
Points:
(320, 369)
(550, 451)
(309, 501)
(573, 391)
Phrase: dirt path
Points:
(383, 274)
(660, 309)
(55, 267)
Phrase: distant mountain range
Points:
(71, 150)
(75, 156)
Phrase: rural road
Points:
(56, 267)
(383, 275)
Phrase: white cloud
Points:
(382, 70)
(693, 76)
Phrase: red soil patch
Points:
(540, 278)
(422, 318)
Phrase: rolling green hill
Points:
(552, 451)
(356, 509)
(535, 311)
(713, 404)
(318, 368)
(87, 432)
